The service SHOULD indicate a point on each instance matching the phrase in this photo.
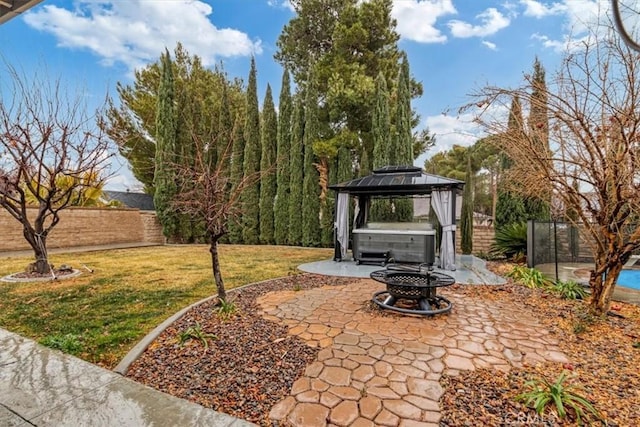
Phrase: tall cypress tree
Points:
(165, 176)
(404, 144)
(252, 152)
(237, 172)
(281, 208)
(297, 172)
(466, 221)
(538, 123)
(510, 207)
(311, 187)
(267, 160)
(381, 210)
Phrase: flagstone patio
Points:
(380, 368)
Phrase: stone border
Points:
(142, 345)
(11, 279)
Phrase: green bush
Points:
(511, 240)
(560, 396)
(69, 343)
(569, 289)
(529, 277)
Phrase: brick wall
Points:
(86, 227)
(483, 238)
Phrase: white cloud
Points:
(490, 45)
(450, 131)
(417, 19)
(539, 10)
(579, 17)
(135, 32)
(491, 20)
(281, 3)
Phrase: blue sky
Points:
(454, 46)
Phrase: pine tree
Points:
(404, 143)
(237, 172)
(381, 209)
(252, 152)
(466, 221)
(281, 208)
(267, 161)
(297, 172)
(164, 177)
(310, 187)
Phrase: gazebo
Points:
(397, 181)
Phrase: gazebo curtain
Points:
(442, 203)
(342, 223)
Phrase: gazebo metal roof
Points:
(398, 181)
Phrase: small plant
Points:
(529, 277)
(69, 343)
(195, 333)
(225, 309)
(297, 287)
(569, 289)
(636, 344)
(559, 395)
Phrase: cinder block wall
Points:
(86, 227)
(483, 238)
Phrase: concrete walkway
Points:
(385, 370)
(43, 387)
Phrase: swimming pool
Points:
(629, 279)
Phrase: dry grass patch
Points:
(99, 316)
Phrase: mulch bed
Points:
(251, 363)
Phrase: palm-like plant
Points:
(510, 240)
(541, 394)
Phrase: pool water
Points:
(629, 279)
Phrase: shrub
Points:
(569, 289)
(195, 333)
(559, 395)
(69, 343)
(529, 277)
(510, 240)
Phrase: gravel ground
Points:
(251, 363)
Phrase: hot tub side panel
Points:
(402, 247)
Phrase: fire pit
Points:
(412, 290)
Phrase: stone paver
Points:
(385, 370)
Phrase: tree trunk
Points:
(215, 264)
(38, 243)
(602, 289)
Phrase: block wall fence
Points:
(105, 226)
(483, 238)
(87, 227)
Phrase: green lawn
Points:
(99, 316)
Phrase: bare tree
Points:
(593, 105)
(48, 146)
(207, 194)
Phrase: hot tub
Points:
(400, 242)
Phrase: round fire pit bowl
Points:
(412, 292)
